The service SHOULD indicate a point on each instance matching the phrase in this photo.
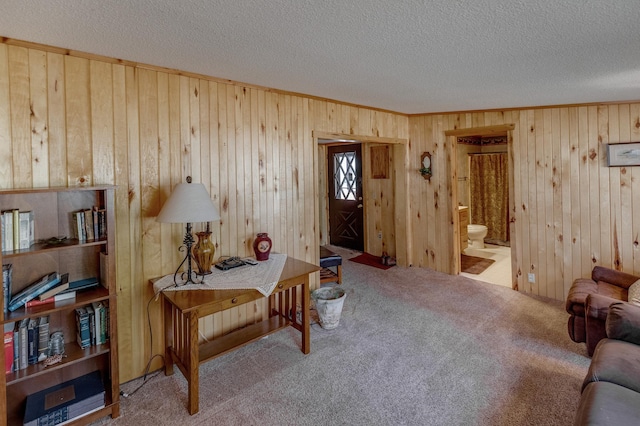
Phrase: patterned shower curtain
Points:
(489, 194)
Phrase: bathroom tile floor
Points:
(500, 271)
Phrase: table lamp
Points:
(188, 203)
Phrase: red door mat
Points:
(371, 260)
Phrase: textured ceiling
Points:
(408, 56)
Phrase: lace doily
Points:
(262, 277)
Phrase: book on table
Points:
(65, 401)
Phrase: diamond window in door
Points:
(344, 166)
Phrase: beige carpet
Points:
(414, 347)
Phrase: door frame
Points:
(399, 167)
(452, 148)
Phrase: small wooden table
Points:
(182, 309)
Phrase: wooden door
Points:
(346, 227)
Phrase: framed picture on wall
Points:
(623, 154)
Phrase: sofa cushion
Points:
(608, 404)
(623, 322)
(634, 293)
(615, 361)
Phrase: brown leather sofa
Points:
(588, 303)
(611, 389)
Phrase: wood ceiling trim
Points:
(482, 131)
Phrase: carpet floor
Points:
(413, 347)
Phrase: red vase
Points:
(262, 246)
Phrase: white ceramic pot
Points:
(329, 301)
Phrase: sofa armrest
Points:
(597, 306)
(611, 276)
(623, 322)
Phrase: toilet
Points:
(476, 235)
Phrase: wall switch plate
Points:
(532, 277)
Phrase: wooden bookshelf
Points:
(56, 249)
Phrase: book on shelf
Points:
(26, 226)
(7, 230)
(96, 223)
(16, 228)
(23, 344)
(60, 297)
(83, 284)
(34, 290)
(79, 231)
(88, 224)
(8, 347)
(62, 286)
(83, 327)
(33, 340)
(43, 337)
(65, 401)
(100, 322)
(16, 346)
(7, 276)
(92, 324)
(102, 222)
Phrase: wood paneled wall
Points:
(77, 119)
(70, 119)
(570, 211)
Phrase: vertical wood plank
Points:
(565, 179)
(610, 237)
(631, 126)
(6, 149)
(555, 278)
(585, 193)
(136, 262)
(20, 116)
(101, 94)
(39, 113)
(592, 164)
(124, 280)
(574, 157)
(57, 120)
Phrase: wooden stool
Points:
(329, 259)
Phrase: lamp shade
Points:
(188, 203)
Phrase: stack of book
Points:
(63, 291)
(50, 288)
(65, 401)
(18, 229)
(36, 288)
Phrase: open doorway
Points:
(384, 184)
(483, 175)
